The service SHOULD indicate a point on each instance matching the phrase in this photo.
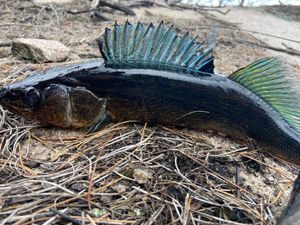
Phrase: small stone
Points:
(78, 186)
(120, 188)
(105, 199)
(58, 2)
(40, 50)
(142, 176)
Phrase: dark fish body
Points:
(172, 86)
(210, 103)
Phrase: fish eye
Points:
(31, 97)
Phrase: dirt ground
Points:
(135, 173)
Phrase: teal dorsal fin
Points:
(148, 47)
(271, 80)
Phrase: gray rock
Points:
(40, 50)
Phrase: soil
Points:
(92, 178)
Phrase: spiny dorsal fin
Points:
(149, 47)
(271, 80)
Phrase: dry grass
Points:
(132, 174)
(128, 173)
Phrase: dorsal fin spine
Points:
(150, 40)
(169, 46)
(116, 35)
(203, 64)
(181, 46)
(137, 35)
(127, 41)
(153, 41)
(176, 48)
(140, 34)
(143, 39)
(123, 51)
(106, 46)
(160, 45)
(197, 60)
(184, 55)
(184, 47)
(157, 55)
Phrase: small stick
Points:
(118, 7)
(65, 217)
(288, 51)
(5, 43)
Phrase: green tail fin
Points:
(271, 80)
(149, 47)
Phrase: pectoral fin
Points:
(99, 124)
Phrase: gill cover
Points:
(69, 106)
(271, 80)
(148, 47)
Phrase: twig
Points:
(90, 219)
(154, 216)
(98, 15)
(5, 43)
(288, 51)
(233, 27)
(118, 7)
(216, 10)
(187, 208)
(137, 4)
(65, 217)
(48, 222)
(76, 11)
(199, 8)
(145, 3)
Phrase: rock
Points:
(40, 50)
(58, 2)
(142, 176)
(78, 186)
(120, 188)
(105, 199)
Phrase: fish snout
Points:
(3, 93)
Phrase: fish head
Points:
(55, 104)
(55, 97)
(21, 101)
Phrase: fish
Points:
(153, 74)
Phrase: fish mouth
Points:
(3, 92)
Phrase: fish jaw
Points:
(3, 92)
